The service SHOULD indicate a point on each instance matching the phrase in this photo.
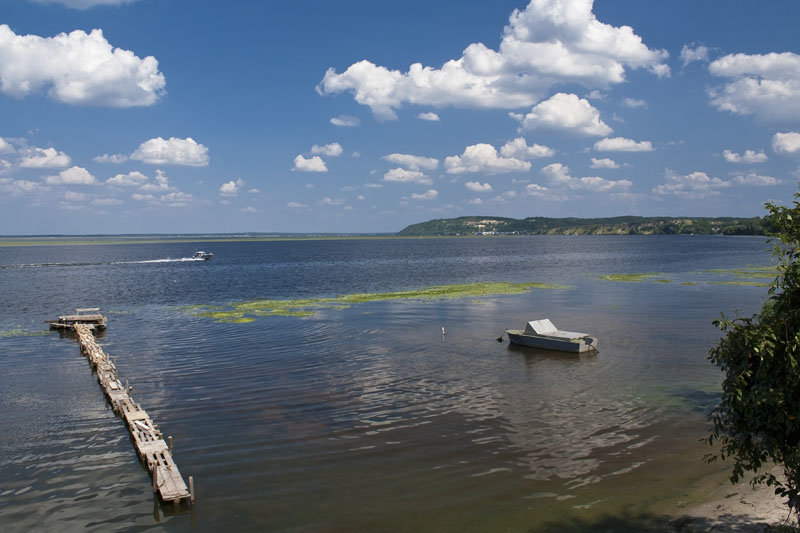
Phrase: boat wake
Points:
(180, 260)
(99, 263)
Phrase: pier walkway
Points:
(147, 438)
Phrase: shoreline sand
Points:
(740, 507)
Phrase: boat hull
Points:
(579, 345)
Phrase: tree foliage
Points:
(757, 422)
(623, 225)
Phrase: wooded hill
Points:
(625, 225)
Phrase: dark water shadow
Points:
(608, 523)
(698, 401)
(541, 353)
(726, 522)
(70, 333)
(164, 509)
(646, 522)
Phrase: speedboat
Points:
(543, 334)
(200, 254)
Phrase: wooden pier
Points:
(89, 316)
(147, 438)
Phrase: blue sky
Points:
(163, 116)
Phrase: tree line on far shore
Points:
(624, 225)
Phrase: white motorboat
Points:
(543, 334)
(200, 254)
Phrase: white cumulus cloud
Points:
(558, 175)
(172, 151)
(765, 85)
(6, 147)
(756, 180)
(603, 163)
(43, 158)
(430, 194)
(476, 186)
(20, 187)
(549, 42)
(749, 156)
(176, 199)
(331, 201)
(483, 158)
(518, 148)
(77, 68)
(691, 186)
(113, 158)
(402, 175)
(131, 179)
(296, 205)
(231, 188)
(159, 184)
(786, 143)
(72, 176)
(312, 164)
(429, 116)
(564, 112)
(534, 189)
(633, 103)
(331, 150)
(621, 144)
(345, 121)
(698, 53)
(72, 196)
(413, 162)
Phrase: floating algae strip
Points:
(242, 312)
(742, 283)
(633, 278)
(19, 332)
(768, 272)
(748, 276)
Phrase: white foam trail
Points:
(40, 265)
(180, 260)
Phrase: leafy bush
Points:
(757, 421)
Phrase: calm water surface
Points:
(366, 418)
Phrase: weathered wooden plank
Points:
(170, 483)
(148, 441)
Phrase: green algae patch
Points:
(663, 280)
(447, 292)
(238, 320)
(765, 272)
(246, 311)
(193, 308)
(743, 283)
(631, 278)
(19, 332)
(688, 283)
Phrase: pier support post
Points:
(169, 439)
(191, 489)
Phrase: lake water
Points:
(366, 418)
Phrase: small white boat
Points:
(543, 334)
(200, 254)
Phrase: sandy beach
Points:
(736, 508)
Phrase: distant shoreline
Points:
(90, 240)
(620, 225)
